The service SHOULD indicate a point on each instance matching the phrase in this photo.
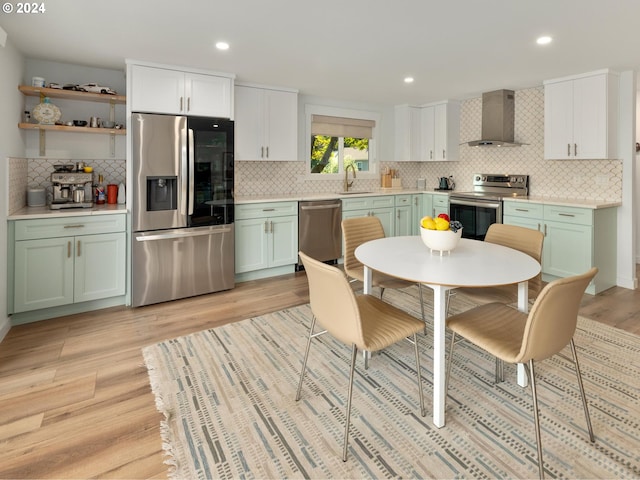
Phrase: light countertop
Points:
(569, 202)
(28, 213)
(300, 197)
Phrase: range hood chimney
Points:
(498, 119)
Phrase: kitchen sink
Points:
(353, 192)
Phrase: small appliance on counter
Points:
(446, 183)
(69, 190)
(36, 197)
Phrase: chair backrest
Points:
(355, 232)
(526, 240)
(332, 301)
(553, 317)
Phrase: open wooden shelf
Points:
(64, 128)
(71, 95)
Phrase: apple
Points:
(445, 216)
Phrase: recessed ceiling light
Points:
(543, 40)
(222, 46)
(408, 80)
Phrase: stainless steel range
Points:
(481, 207)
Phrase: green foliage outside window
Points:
(325, 153)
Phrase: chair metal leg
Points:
(450, 293)
(354, 354)
(423, 411)
(381, 292)
(532, 380)
(499, 370)
(306, 355)
(584, 397)
(424, 318)
(449, 361)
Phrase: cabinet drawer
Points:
(575, 215)
(68, 226)
(522, 209)
(402, 200)
(363, 203)
(441, 201)
(262, 210)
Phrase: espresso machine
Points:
(69, 190)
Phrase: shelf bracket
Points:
(43, 142)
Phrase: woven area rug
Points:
(228, 399)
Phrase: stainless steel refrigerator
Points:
(182, 212)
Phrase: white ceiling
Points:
(357, 50)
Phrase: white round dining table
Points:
(472, 263)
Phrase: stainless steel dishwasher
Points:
(319, 230)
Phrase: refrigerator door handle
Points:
(184, 147)
(182, 234)
(191, 168)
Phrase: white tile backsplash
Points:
(36, 172)
(579, 179)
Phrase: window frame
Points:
(311, 110)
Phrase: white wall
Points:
(11, 145)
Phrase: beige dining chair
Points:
(517, 337)
(355, 232)
(363, 321)
(523, 239)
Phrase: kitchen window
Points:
(339, 141)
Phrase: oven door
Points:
(475, 215)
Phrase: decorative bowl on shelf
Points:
(440, 240)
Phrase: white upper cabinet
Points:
(173, 91)
(446, 132)
(427, 133)
(580, 116)
(407, 141)
(266, 123)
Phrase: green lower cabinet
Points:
(52, 272)
(65, 265)
(408, 214)
(266, 239)
(382, 207)
(386, 216)
(575, 239)
(567, 249)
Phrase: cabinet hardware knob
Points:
(545, 229)
(268, 209)
(69, 249)
(568, 149)
(566, 215)
(267, 152)
(78, 225)
(188, 104)
(261, 152)
(181, 103)
(78, 249)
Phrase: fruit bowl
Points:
(440, 240)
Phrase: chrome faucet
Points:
(348, 183)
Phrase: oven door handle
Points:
(474, 204)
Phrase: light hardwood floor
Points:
(75, 400)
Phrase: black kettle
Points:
(446, 183)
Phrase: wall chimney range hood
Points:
(498, 119)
